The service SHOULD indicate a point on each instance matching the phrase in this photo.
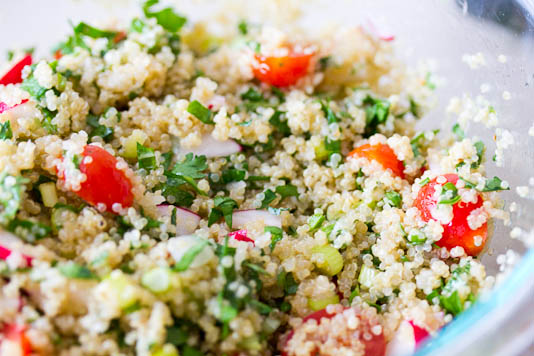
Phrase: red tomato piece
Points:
(382, 154)
(281, 71)
(240, 235)
(58, 54)
(15, 342)
(14, 75)
(376, 346)
(121, 35)
(105, 183)
(457, 232)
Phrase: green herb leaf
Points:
(279, 124)
(252, 95)
(146, 157)
(11, 190)
(458, 132)
(29, 230)
(329, 113)
(452, 303)
(424, 182)
(393, 198)
(201, 112)
(262, 308)
(276, 235)
(99, 130)
(137, 25)
(270, 196)
(166, 18)
(76, 271)
(190, 256)
(449, 194)
(5, 131)
(479, 146)
(242, 26)
(287, 190)
(87, 30)
(233, 175)
(376, 113)
(224, 207)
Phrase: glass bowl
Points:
(501, 323)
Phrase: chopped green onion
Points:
(157, 280)
(449, 194)
(146, 157)
(331, 260)
(367, 276)
(315, 221)
(424, 182)
(319, 304)
(190, 256)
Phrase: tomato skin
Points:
(281, 71)
(14, 75)
(105, 183)
(457, 232)
(382, 154)
(376, 346)
(16, 335)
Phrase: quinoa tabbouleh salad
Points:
(166, 191)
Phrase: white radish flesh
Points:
(240, 218)
(210, 147)
(186, 220)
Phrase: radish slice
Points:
(420, 334)
(5, 107)
(186, 220)
(240, 235)
(406, 339)
(241, 217)
(378, 29)
(10, 244)
(211, 147)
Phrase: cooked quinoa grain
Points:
(166, 191)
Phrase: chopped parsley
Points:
(492, 185)
(393, 198)
(166, 17)
(280, 125)
(29, 230)
(190, 256)
(201, 112)
(276, 235)
(99, 130)
(376, 113)
(73, 270)
(286, 281)
(479, 146)
(182, 175)
(329, 113)
(11, 190)
(5, 131)
(224, 207)
(270, 196)
(287, 190)
(449, 194)
(84, 29)
(458, 132)
(242, 27)
(315, 221)
(146, 157)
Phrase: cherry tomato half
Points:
(281, 71)
(375, 346)
(382, 154)
(457, 232)
(15, 342)
(105, 183)
(14, 75)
